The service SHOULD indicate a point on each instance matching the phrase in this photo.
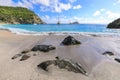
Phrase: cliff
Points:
(18, 15)
(115, 24)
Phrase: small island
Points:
(18, 15)
(115, 24)
(75, 22)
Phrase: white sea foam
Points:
(106, 33)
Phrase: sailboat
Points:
(58, 21)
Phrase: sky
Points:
(82, 11)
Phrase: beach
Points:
(89, 54)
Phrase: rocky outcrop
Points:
(115, 24)
(18, 15)
(63, 64)
(70, 41)
(43, 48)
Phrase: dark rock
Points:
(108, 53)
(57, 58)
(70, 41)
(117, 59)
(63, 64)
(45, 64)
(24, 57)
(43, 48)
(115, 24)
(25, 51)
(16, 56)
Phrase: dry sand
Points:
(88, 54)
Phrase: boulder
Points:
(70, 41)
(45, 64)
(43, 48)
(24, 57)
(115, 24)
(25, 51)
(16, 56)
(63, 64)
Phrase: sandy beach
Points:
(89, 54)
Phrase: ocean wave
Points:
(17, 31)
(107, 33)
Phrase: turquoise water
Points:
(89, 28)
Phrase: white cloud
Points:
(62, 7)
(112, 15)
(6, 2)
(45, 5)
(105, 15)
(76, 18)
(52, 5)
(77, 7)
(117, 2)
(43, 2)
(24, 3)
(97, 13)
(65, 6)
(102, 10)
(72, 1)
(45, 17)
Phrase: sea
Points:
(34, 29)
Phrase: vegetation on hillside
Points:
(18, 15)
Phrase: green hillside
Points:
(18, 15)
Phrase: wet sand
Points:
(88, 54)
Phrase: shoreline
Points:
(100, 34)
(115, 33)
(27, 32)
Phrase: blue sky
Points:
(83, 11)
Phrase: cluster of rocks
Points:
(45, 48)
(109, 53)
(62, 64)
(42, 48)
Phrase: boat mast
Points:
(58, 20)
